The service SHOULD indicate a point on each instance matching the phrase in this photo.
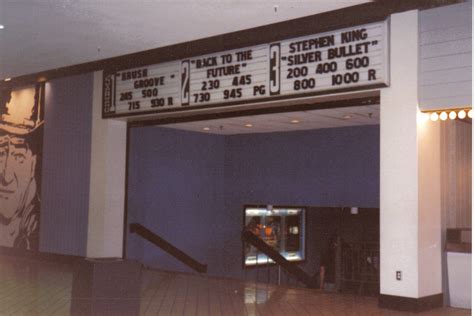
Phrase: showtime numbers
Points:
(232, 93)
(360, 62)
(157, 102)
(304, 84)
(301, 84)
(210, 85)
(202, 97)
(242, 80)
(350, 77)
(297, 72)
(324, 68)
(124, 96)
(148, 93)
(133, 105)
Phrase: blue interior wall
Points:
(334, 167)
(66, 165)
(190, 188)
(175, 188)
(325, 167)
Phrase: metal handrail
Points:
(290, 268)
(147, 234)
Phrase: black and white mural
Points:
(21, 142)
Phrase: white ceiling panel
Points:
(281, 122)
(46, 34)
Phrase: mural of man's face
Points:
(17, 170)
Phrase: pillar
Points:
(410, 199)
(105, 234)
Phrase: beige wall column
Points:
(107, 187)
(430, 246)
(410, 199)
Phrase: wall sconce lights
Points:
(444, 115)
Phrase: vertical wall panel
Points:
(445, 69)
(456, 173)
(66, 165)
(456, 182)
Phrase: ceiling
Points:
(41, 35)
(285, 122)
(46, 34)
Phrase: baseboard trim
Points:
(39, 256)
(409, 304)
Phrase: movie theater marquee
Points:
(350, 58)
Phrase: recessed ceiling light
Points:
(347, 117)
(206, 129)
(248, 125)
(2, 26)
(7, 79)
(294, 121)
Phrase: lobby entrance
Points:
(312, 174)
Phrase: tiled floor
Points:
(28, 288)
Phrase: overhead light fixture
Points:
(294, 121)
(7, 79)
(347, 117)
(434, 116)
(424, 117)
(248, 125)
(2, 26)
(459, 113)
(206, 129)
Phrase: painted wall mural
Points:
(21, 142)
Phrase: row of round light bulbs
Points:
(443, 116)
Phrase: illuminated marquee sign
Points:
(328, 62)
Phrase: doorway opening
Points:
(189, 182)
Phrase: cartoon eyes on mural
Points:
(13, 147)
(19, 157)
